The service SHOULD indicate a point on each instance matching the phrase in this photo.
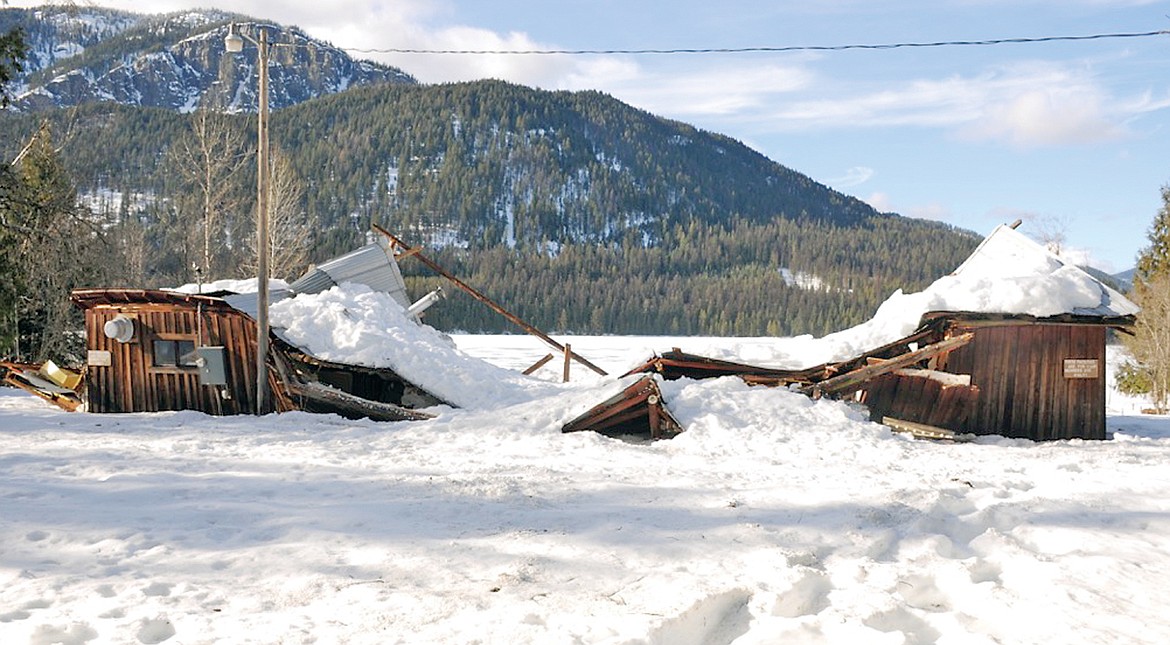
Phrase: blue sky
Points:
(1072, 137)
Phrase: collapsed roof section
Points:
(372, 265)
(1011, 342)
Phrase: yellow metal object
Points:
(62, 377)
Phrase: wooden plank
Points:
(349, 405)
(1028, 356)
(922, 430)
(1062, 394)
(538, 364)
(853, 380)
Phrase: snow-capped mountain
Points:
(176, 61)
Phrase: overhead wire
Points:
(763, 49)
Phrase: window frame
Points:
(178, 343)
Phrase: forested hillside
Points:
(580, 212)
(80, 54)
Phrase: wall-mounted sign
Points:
(1082, 368)
(98, 358)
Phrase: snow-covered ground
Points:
(772, 519)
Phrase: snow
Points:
(802, 280)
(356, 325)
(1007, 274)
(773, 518)
(241, 285)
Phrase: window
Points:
(174, 353)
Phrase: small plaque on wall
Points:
(1082, 368)
(98, 358)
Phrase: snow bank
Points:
(772, 519)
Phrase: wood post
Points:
(538, 364)
(568, 362)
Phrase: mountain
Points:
(177, 61)
(579, 211)
(1124, 280)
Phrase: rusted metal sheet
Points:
(636, 410)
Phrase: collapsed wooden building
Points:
(154, 350)
(1020, 372)
(1039, 377)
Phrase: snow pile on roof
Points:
(243, 285)
(356, 325)
(1007, 274)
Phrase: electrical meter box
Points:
(212, 362)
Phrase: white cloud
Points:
(1047, 116)
(933, 211)
(854, 176)
(713, 90)
(881, 202)
(1026, 104)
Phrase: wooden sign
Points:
(98, 358)
(1082, 368)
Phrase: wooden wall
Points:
(920, 399)
(130, 383)
(1024, 387)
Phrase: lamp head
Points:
(233, 42)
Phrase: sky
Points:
(1069, 136)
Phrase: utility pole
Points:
(235, 43)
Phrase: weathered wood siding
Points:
(920, 399)
(1023, 389)
(131, 382)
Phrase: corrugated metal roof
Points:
(372, 265)
(246, 302)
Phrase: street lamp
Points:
(234, 43)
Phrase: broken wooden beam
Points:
(32, 379)
(513, 318)
(538, 364)
(922, 430)
(852, 380)
(348, 405)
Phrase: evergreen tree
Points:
(1150, 343)
(52, 247)
(1154, 260)
(12, 52)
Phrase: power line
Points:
(750, 50)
